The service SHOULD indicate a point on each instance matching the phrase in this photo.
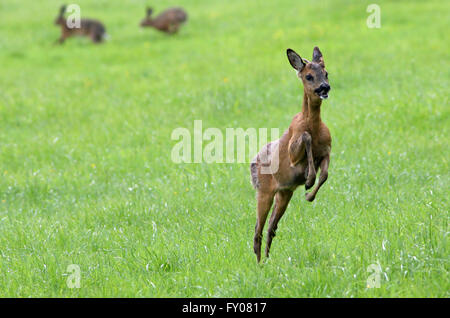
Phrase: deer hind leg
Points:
(282, 199)
(311, 178)
(323, 177)
(265, 200)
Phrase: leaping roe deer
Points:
(302, 149)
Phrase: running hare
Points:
(169, 21)
(90, 28)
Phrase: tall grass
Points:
(86, 175)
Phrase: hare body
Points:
(93, 29)
(168, 21)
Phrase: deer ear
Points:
(62, 9)
(317, 56)
(295, 60)
(149, 11)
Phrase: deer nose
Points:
(323, 88)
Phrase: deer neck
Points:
(311, 111)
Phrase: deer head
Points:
(313, 74)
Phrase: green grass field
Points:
(85, 151)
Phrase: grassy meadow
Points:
(85, 151)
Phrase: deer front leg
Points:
(323, 177)
(296, 148)
(311, 178)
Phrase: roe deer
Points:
(302, 149)
(169, 21)
(90, 28)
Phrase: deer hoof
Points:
(309, 183)
(310, 197)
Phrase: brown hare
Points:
(90, 28)
(169, 21)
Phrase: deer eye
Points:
(309, 77)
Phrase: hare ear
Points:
(149, 11)
(317, 56)
(62, 9)
(295, 60)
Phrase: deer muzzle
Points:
(322, 90)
